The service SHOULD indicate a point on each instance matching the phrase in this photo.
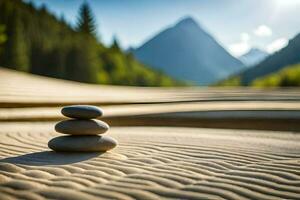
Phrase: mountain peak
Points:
(256, 50)
(187, 21)
(253, 56)
(187, 52)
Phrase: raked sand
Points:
(19, 89)
(152, 163)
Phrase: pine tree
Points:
(2, 36)
(16, 49)
(86, 22)
(82, 61)
(115, 45)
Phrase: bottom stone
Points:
(92, 143)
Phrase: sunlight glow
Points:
(287, 3)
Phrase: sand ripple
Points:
(151, 163)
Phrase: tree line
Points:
(35, 41)
(287, 77)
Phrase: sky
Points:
(237, 25)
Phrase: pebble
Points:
(81, 127)
(82, 112)
(92, 143)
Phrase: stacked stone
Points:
(83, 131)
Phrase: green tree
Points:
(86, 22)
(2, 37)
(82, 60)
(2, 34)
(115, 45)
(16, 49)
(287, 77)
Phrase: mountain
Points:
(187, 52)
(284, 57)
(253, 57)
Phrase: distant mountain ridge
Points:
(287, 56)
(187, 52)
(253, 57)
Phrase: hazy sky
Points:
(237, 24)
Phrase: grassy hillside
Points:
(232, 81)
(40, 43)
(287, 77)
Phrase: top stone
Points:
(81, 112)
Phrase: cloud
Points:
(245, 37)
(263, 31)
(238, 49)
(277, 45)
(241, 47)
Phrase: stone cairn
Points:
(83, 131)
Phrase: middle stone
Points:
(81, 127)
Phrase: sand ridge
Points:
(258, 115)
(152, 163)
(39, 91)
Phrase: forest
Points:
(287, 77)
(35, 41)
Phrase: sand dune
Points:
(152, 163)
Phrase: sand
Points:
(24, 90)
(263, 115)
(173, 161)
(152, 163)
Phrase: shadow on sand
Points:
(50, 158)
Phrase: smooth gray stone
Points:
(92, 143)
(82, 127)
(82, 112)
